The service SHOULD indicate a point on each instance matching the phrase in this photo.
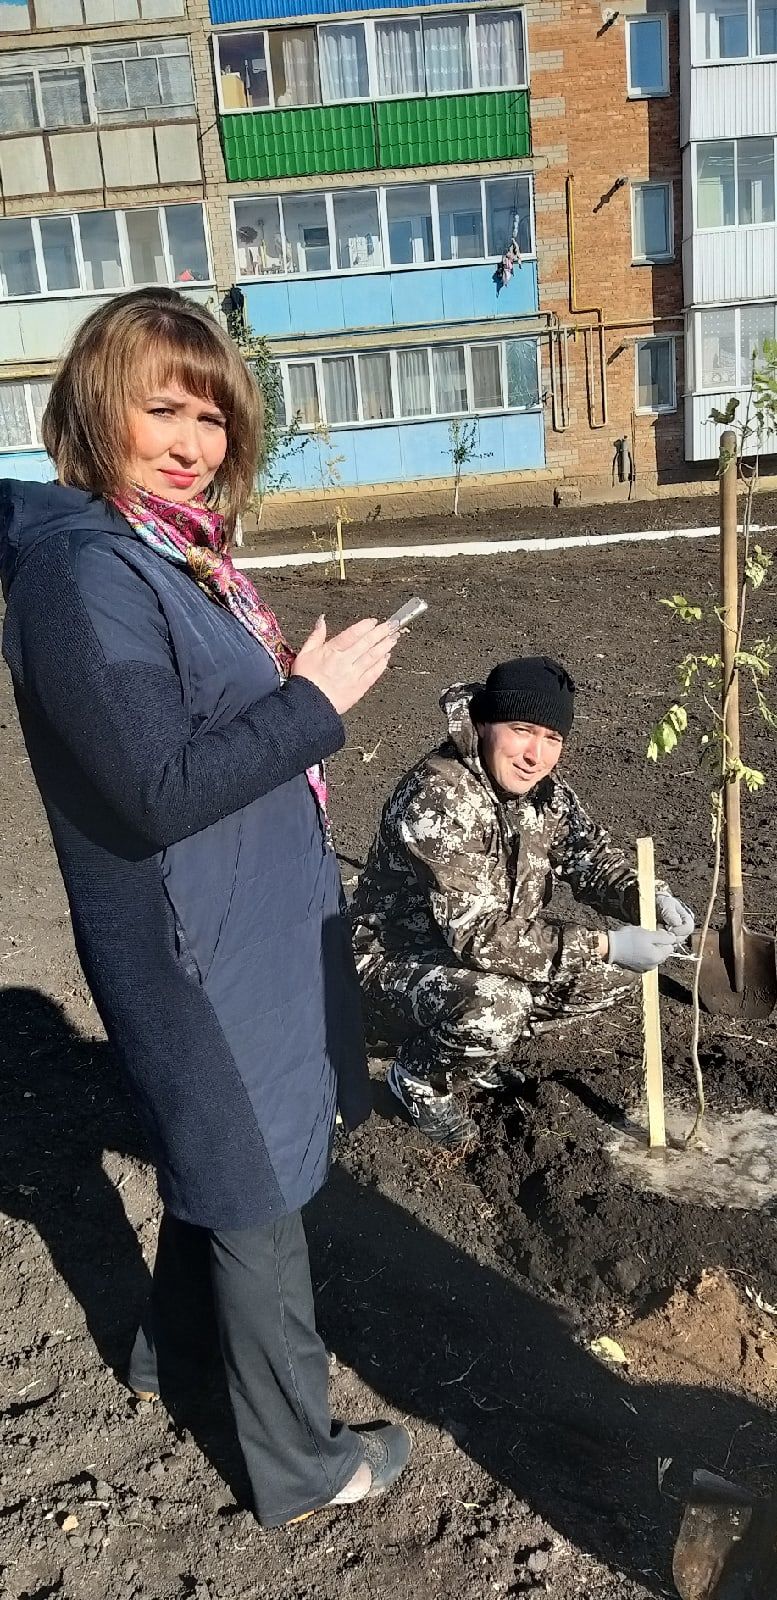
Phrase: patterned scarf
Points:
(192, 536)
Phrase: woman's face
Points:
(177, 443)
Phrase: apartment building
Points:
(729, 138)
(103, 152)
(457, 210)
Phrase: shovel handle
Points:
(729, 624)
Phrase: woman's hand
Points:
(345, 667)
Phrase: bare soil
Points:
(461, 1295)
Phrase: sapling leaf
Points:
(682, 608)
(757, 566)
(667, 733)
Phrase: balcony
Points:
(86, 160)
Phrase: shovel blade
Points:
(717, 992)
(708, 1538)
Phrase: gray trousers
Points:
(248, 1293)
(449, 1021)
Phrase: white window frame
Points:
(373, 90)
(655, 411)
(696, 352)
(728, 227)
(34, 442)
(652, 183)
(382, 192)
(634, 92)
(397, 416)
(699, 60)
(80, 57)
(124, 254)
(146, 114)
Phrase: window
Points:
(338, 62)
(99, 251)
(655, 375)
(365, 230)
(307, 234)
(721, 29)
(340, 389)
(715, 185)
(375, 376)
(425, 381)
(410, 233)
(755, 181)
(343, 59)
(508, 215)
(651, 222)
(145, 78)
(765, 28)
(647, 56)
(121, 82)
(461, 221)
(303, 393)
(729, 340)
(486, 377)
(735, 183)
(399, 56)
(21, 411)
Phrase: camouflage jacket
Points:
(458, 867)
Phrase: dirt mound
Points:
(711, 1335)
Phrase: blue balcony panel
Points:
(400, 452)
(30, 466)
(426, 297)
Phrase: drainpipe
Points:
(577, 311)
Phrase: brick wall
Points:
(584, 124)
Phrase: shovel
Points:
(738, 975)
(726, 1548)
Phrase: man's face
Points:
(518, 755)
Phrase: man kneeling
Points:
(457, 959)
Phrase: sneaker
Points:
(387, 1448)
(439, 1116)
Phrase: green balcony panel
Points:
(461, 127)
(293, 144)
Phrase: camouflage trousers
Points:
(450, 1023)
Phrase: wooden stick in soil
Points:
(339, 548)
(654, 1066)
(729, 626)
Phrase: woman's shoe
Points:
(387, 1449)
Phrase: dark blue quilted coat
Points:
(208, 914)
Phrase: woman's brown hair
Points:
(149, 337)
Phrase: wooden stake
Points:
(654, 1066)
(340, 551)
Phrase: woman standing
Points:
(176, 742)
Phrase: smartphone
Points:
(408, 612)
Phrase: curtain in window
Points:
(100, 247)
(522, 382)
(450, 379)
(59, 255)
(63, 95)
(486, 378)
(109, 86)
(414, 395)
(375, 376)
(343, 63)
(142, 84)
(147, 261)
(175, 74)
(500, 48)
(14, 421)
(446, 54)
(400, 57)
(303, 393)
(40, 389)
(340, 390)
(299, 68)
(17, 104)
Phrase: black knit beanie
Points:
(532, 689)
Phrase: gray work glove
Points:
(674, 916)
(640, 949)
